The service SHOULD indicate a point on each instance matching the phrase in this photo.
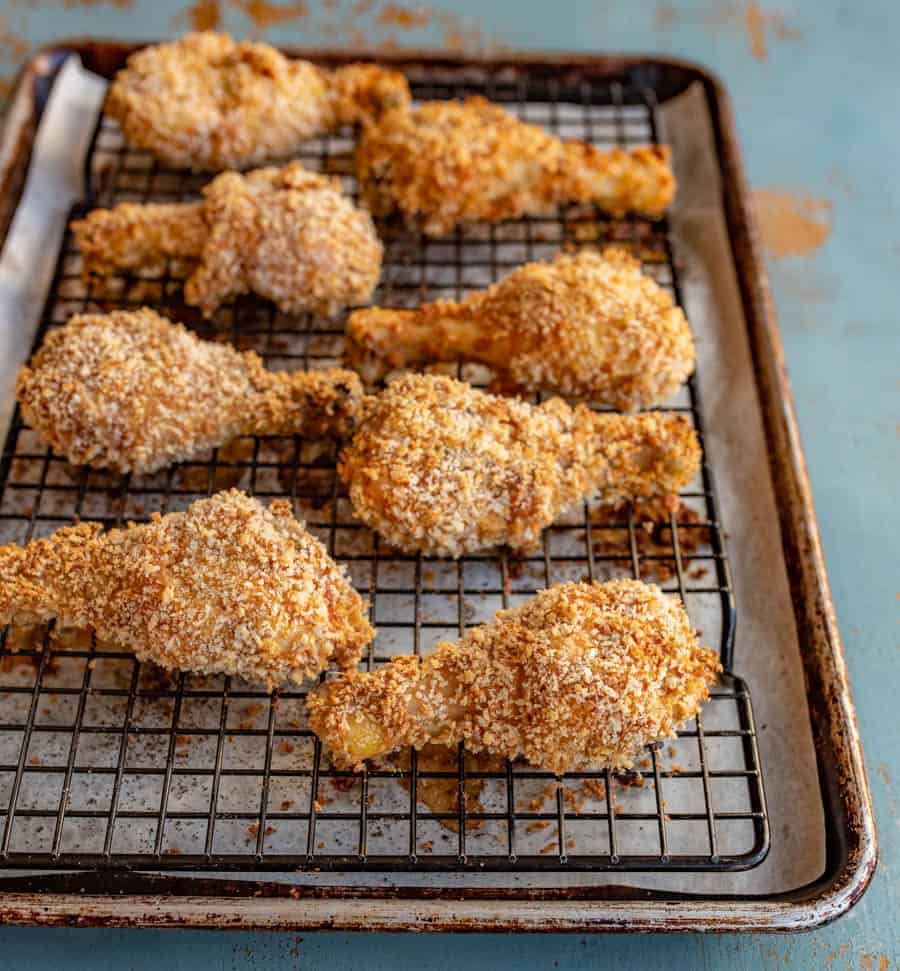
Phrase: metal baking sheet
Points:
(746, 454)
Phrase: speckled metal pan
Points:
(127, 897)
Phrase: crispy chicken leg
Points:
(132, 392)
(284, 233)
(208, 103)
(447, 162)
(581, 675)
(227, 586)
(441, 467)
(587, 326)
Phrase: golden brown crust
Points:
(133, 236)
(287, 234)
(586, 326)
(581, 675)
(441, 467)
(362, 92)
(133, 392)
(226, 586)
(208, 103)
(446, 162)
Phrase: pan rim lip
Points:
(849, 866)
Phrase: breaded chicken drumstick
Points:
(132, 392)
(584, 674)
(438, 466)
(586, 326)
(446, 163)
(225, 587)
(284, 233)
(205, 102)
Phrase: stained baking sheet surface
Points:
(766, 648)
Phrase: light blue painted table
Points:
(816, 88)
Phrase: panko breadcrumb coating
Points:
(132, 392)
(287, 234)
(440, 467)
(225, 587)
(208, 103)
(445, 163)
(582, 675)
(137, 236)
(586, 326)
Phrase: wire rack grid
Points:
(106, 762)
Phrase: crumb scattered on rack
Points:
(653, 538)
(441, 795)
(574, 798)
(594, 789)
(549, 791)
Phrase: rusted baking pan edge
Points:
(134, 898)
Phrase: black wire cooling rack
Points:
(105, 762)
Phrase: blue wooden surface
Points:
(816, 85)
